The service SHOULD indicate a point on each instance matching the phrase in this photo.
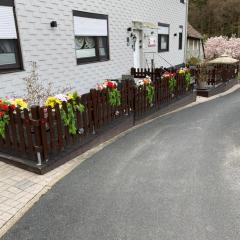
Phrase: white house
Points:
(195, 47)
(81, 43)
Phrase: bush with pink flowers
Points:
(216, 46)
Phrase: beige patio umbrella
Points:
(224, 59)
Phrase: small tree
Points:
(216, 46)
(37, 92)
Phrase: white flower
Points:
(140, 83)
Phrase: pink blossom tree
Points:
(216, 46)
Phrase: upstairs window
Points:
(182, 1)
(91, 37)
(180, 44)
(163, 37)
(10, 54)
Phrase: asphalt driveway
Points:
(177, 178)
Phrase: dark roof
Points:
(193, 33)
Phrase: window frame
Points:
(18, 66)
(180, 38)
(164, 35)
(97, 58)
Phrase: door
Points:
(137, 53)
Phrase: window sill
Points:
(11, 71)
(162, 51)
(95, 61)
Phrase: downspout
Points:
(203, 47)
(186, 32)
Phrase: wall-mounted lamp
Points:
(53, 24)
(129, 29)
(175, 34)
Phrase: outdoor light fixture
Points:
(129, 29)
(53, 24)
(175, 34)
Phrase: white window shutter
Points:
(7, 23)
(90, 26)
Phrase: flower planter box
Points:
(209, 92)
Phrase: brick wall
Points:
(53, 49)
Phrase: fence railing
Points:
(39, 135)
(216, 75)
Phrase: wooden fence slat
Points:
(27, 124)
(13, 129)
(51, 126)
(59, 128)
(95, 106)
(43, 122)
(20, 128)
(37, 131)
(68, 139)
(7, 140)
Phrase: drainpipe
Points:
(186, 30)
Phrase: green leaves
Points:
(172, 83)
(150, 93)
(187, 80)
(69, 116)
(114, 97)
(4, 120)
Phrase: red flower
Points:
(12, 106)
(4, 107)
(111, 85)
(1, 114)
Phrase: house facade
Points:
(79, 43)
(195, 47)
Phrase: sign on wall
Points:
(152, 41)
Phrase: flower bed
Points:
(65, 122)
(114, 95)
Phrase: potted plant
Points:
(202, 77)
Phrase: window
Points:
(91, 37)
(191, 44)
(182, 1)
(180, 43)
(163, 37)
(10, 54)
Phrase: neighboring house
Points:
(195, 47)
(80, 43)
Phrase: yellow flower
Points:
(52, 101)
(19, 102)
(70, 96)
(181, 71)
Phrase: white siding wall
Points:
(195, 49)
(53, 49)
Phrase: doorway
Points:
(138, 49)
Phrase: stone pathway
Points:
(19, 187)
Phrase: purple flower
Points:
(61, 97)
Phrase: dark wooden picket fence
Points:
(38, 135)
(220, 74)
(162, 97)
(216, 74)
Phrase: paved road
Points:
(177, 178)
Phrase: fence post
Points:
(134, 98)
(153, 74)
(94, 99)
(133, 72)
(37, 133)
